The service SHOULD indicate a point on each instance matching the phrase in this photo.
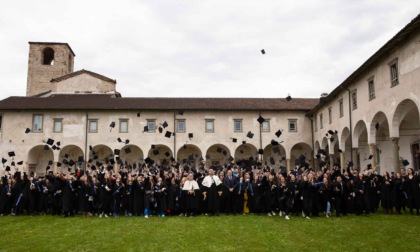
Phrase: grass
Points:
(377, 232)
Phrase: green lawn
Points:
(377, 232)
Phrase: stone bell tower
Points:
(47, 61)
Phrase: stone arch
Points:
(101, 153)
(217, 154)
(298, 151)
(39, 158)
(245, 152)
(359, 129)
(345, 136)
(379, 120)
(324, 144)
(317, 147)
(161, 154)
(189, 153)
(404, 107)
(73, 152)
(278, 153)
(131, 154)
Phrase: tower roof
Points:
(52, 43)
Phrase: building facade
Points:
(370, 118)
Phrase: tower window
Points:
(48, 56)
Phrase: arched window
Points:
(48, 56)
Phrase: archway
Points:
(277, 154)
(246, 154)
(131, 155)
(39, 158)
(101, 153)
(379, 138)
(70, 153)
(300, 154)
(160, 154)
(360, 141)
(189, 154)
(217, 154)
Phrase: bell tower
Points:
(47, 61)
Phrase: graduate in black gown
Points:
(212, 191)
(138, 193)
(68, 196)
(191, 191)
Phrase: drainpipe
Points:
(261, 156)
(175, 136)
(313, 143)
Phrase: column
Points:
(355, 157)
(395, 154)
(342, 161)
(288, 165)
(331, 161)
(372, 151)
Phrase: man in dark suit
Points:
(229, 183)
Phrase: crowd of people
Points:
(152, 190)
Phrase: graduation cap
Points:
(243, 142)
(66, 155)
(260, 151)
(190, 135)
(58, 143)
(172, 159)
(116, 151)
(119, 140)
(11, 153)
(156, 152)
(127, 150)
(184, 146)
(283, 158)
(261, 119)
(181, 112)
(46, 147)
(3, 160)
(112, 161)
(219, 149)
(160, 129)
(318, 156)
(331, 132)
(369, 166)
(81, 159)
(50, 162)
(127, 141)
(50, 141)
(331, 139)
(7, 168)
(168, 134)
(148, 160)
(405, 162)
(262, 51)
(272, 161)
(54, 147)
(241, 151)
(27, 130)
(58, 164)
(234, 140)
(153, 146)
(138, 114)
(95, 157)
(165, 124)
(224, 153)
(230, 158)
(340, 150)
(12, 163)
(112, 125)
(90, 160)
(370, 157)
(288, 98)
(93, 167)
(274, 142)
(71, 162)
(377, 126)
(167, 154)
(146, 128)
(250, 134)
(278, 133)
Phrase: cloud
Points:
(204, 48)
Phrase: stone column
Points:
(342, 161)
(355, 156)
(395, 154)
(372, 151)
(331, 160)
(288, 164)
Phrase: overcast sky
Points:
(193, 48)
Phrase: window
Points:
(48, 56)
(354, 99)
(341, 105)
(123, 125)
(237, 125)
(316, 123)
(37, 123)
(180, 126)
(292, 125)
(393, 67)
(321, 123)
(93, 126)
(1, 121)
(371, 84)
(265, 126)
(58, 125)
(209, 126)
(329, 115)
(151, 125)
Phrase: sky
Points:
(204, 48)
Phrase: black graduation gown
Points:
(213, 198)
(68, 197)
(386, 193)
(191, 200)
(138, 198)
